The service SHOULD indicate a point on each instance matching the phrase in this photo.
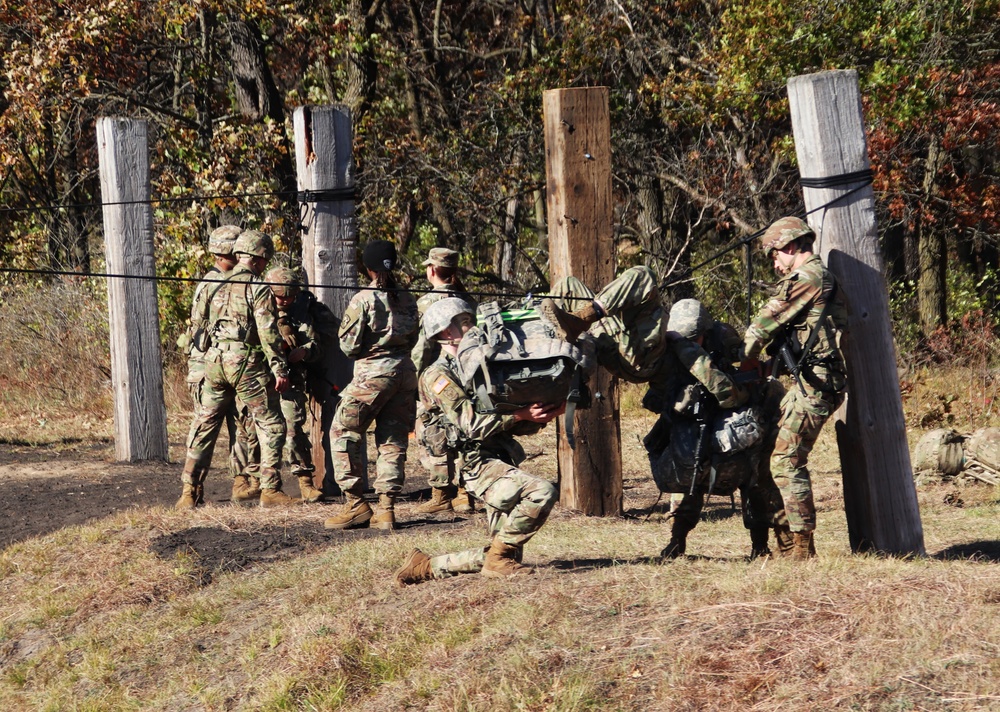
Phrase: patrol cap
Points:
(379, 256)
(439, 315)
(689, 318)
(221, 239)
(254, 242)
(442, 257)
(784, 231)
(284, 281)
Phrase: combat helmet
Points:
(438, 316)
(221, 239)
(284, 281)
(256, 243)
(689, 318)
(784, 231)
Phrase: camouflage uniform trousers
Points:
(802, 418)
(517, 505)
(239, 453)
(631, 339)
(230, 374)
(389, 399)
(298, 447)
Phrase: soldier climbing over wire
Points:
(517, 503)
(244, 360)
(804, 317)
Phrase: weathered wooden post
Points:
(581, 244)
(879, 494)
(136, 361)
(325, 168)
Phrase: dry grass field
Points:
(113, 601)
(142, 607)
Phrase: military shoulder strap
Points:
(814, 333)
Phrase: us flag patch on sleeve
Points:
(439, 385)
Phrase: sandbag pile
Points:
(945, 454)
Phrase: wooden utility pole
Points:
(581, 244)
(325, 167)
(879, 494)
(133, 315)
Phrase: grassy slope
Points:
(93, 620)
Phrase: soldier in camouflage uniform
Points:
(220, 245)
(517, 503)
(245, 360)
(301, 348)
(700, 358)
(805, 303)
(626, 320)
(447, 494)
(378, 330)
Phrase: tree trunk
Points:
(932, 253)
(256, 92)
(362, 70)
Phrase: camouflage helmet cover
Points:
(784, 231)
(689, 318)
(256, 243)
(284, 281)
(221, 239)
(439, 315)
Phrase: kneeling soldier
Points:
(517, 504)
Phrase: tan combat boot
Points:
(440, 501)
(569, 325)
(783, 535)
(462, 503)
(385, 518)
(355, 514)
(188, 498)
(417, 569)
(308, 490)
(192, 493)
(274, 497)
(502, 561)
(802, 546)
(243, 492)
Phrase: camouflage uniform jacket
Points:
(377, 331)
(426, 351)
(484, 436)
(199, 320)
(243, 317)
(698, 366)
(296, 329)
(796, 304)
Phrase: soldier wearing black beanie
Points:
(379, 256)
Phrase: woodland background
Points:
(446, 99)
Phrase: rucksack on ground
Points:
(940, 452)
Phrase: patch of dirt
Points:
(216, 550)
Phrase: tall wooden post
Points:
(325, 168)
(879, 494)
(581, 244)
(136, 361)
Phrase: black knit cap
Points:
(380, 256)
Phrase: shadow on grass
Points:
(987, 552)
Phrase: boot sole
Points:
(435, 510)
(362, 523)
